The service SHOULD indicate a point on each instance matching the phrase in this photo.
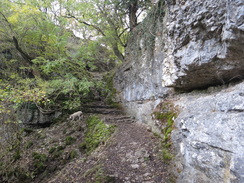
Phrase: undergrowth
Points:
(98, 175)
(97, 133)
(166, 115)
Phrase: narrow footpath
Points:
(131, 155)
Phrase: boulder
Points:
(29, 114)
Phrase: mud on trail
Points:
(131, 155)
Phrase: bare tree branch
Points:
(23, 54)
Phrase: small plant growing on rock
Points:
(52, 149)
(82, 147)
(59, 148)
(98, 175)
(26, 131)
(166, 113)
(73, 154)
(97, 132)
(29, 144)
(64, 131)
(39, 162)
(21, 174)
(69, 140)
(166, 155)
(56, 152)
(38, 156)
(17, 155)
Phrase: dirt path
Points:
(134, 155)
(131, 155)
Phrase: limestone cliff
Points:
(186, 45)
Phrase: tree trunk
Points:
(117, 52)
(31, 73)
(133, 7)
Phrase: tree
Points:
(37, 44)
(112, 19)
(133, 9)
(32, 34)
(35, 38)
(45, 65)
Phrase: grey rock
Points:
(212, 149)
(203, 43)
(191, 45)
(135, 166)
(140, 78)
(30, 115)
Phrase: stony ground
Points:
(131, 155)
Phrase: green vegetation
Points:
(82, 147)
(43, 62)
(39, 162)
(73, 154)
(69, 140)
(97, 133)
(146, 30)
(45, 67)
(166, 115)
(59, 148)
(29, 145)
(56, 152)
(166, 155)
(17, 155)
(52, 149)
(108, 90)
(97, 174)
(40, 157)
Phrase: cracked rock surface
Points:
(210, 135)
(203, 43)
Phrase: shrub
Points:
(82, 147)
(39, 162)
(52, 149)
(69, 140)
(73, 154)
(29, 144)
(97, 133)
(16, 155)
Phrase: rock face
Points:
(30, 115)
(140, 78)
(188, 45)
(209, 136)
(203, 43)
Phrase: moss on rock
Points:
(98, 132)
(166, 113)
